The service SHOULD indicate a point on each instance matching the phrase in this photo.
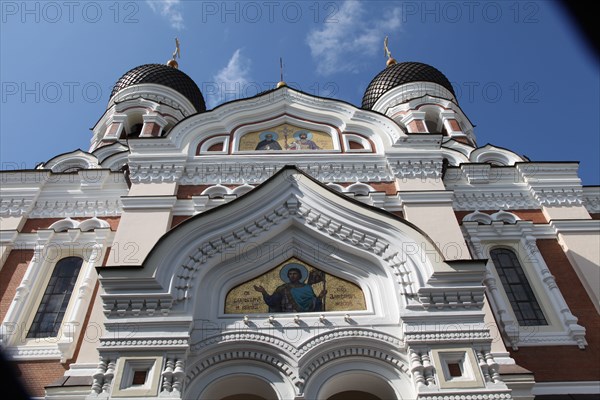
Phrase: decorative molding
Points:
(452, 297)
(483, 218)
(591, 199)
(16, 207)
(493, 200)
(244, 336)
(151, 172)
(482, 335)
(352, 351)
(410, 169)
(150, 342)
(568, 197)
(147, 203)
(479, 395)
(576, 226)
(426, 197)
(557, 388)
(352, 333)
(494, 155)
(126, 305)
(157, 94)
(248, 355)
(76, 208)
(47, 352)
(253, 172)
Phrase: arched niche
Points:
(362, 275)
(359, 375)
(286, 134)
(235, 379)
(294, 286)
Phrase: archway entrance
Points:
(239, 387)
(356, 385)
(353, 395)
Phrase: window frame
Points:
(520, 237)
(35, 306)
(49, 248)
(524, 280)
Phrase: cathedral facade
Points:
(288, 246)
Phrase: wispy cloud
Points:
(341, 44)
(170, 9)
(231, 81)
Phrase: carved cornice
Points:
(76, 208)
(150, 342)
(591, 199)
(569, 197)
(493, 200)
(410, 169)
(16, 207)
(482, 335)
(485, 394)
(452, 298)
(255, 173)
(34, 352)
(155, 172)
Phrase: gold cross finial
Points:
(281, 81)
(176, 54)
(388, 53)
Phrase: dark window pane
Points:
(520, 295)
(50, 313)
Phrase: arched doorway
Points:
(353, 395)
(239, 387)
(357, 385)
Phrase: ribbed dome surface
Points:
(160, 74)
(399, 74)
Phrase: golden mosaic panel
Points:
(286, 137)
(294, 287)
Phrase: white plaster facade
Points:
(425, 275)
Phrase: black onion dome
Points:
(399, 74)
(160, 74)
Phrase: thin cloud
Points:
(170, 9)
(342, 43)
(231, 82)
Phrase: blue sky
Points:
(521, 72)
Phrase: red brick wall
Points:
(11, 276)
(565, 363)
(36, 374)
(454, 125)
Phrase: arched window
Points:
(51, 311)
(525, 306)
